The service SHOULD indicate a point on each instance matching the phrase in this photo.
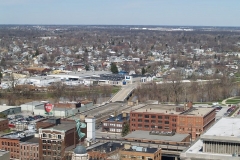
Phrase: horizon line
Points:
(117, 25)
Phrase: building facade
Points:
(54, 141)
(29, 150)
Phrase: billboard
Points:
(48, 107)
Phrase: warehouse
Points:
(9, 110)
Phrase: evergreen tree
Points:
(126, 129)
(87, 67)
(143, 71)
(114, 68)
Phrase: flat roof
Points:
(158, 108)
(141, 149)
(64, 126)
(197, 111)
(145, 135)
(106, 147)
(2, 152)
(33, 103)
(118, 118)
(226, 128)
(32, 140)
(3, 107)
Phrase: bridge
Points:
(123, 94)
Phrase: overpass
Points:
(123, 94)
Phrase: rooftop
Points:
(133, 148)
(21, 135)
(106, 147)
(158, 108)
(64, 126)
(3, 152)
(32, 140)
(146, 135)
(226, 129)
(34, 103)
(197, 111)
(118, 118)
(5, 107)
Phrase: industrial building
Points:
(63, 109)
(9, 110)
(30, 106)
(220, 142)
(169, 118)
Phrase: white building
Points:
(220, 142)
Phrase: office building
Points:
(29, 149)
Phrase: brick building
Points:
(11, 142)
(29, 149)
(136, 152)
(104, 150)
(169, 118)
(55, 140)
(3, 124)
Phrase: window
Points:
(50, 136)
(139, 115)
(153, 121)
(159, 121)
(166, 122)
(166, 117)
(44, 135)
(159, 117)
(159, 127)
(146, 121)
(59, 136)
(146, 126)
(153, 116)
(139, 120)
(146, 116)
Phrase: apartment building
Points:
(170, 118)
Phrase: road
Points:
(123, 93)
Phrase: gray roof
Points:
(64, 126)
(145, 135)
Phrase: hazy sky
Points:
(122, 12)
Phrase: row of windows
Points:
(52, 147)
(10, 144)
(115, 130)
(152, 116)
(52, 153)
(29, 154)
(31, 148)
(58, 136)
(51, 142)
(11, 149)
(112, 124)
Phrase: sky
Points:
(121, 12)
